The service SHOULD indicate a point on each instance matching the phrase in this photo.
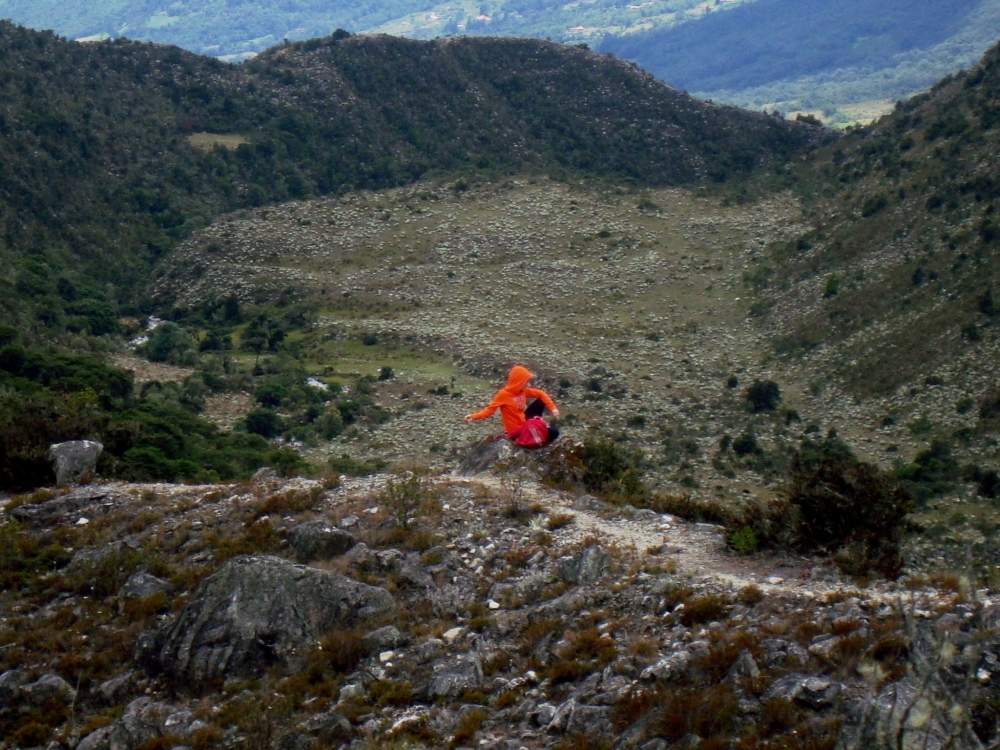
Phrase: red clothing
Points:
(512, 400)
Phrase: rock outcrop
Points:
(254, 612)
(74, 459)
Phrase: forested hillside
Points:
(105, 163)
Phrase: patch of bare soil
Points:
(224, 410)
(146, 372)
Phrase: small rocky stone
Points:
(383, 639)
(744, 667)
(10, 685)
(99, 739)
(48, 687)
(589, 566)
(667, 669)
(413, 572)
(451, 635)
(113, 691)
(143, 585)
(74, 459)
(454, 680)
(351, 691)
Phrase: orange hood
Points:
(516, 381)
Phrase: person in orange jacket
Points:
(519, 417)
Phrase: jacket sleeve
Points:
(534, 393)
(485, 413)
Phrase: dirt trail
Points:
(698, 549)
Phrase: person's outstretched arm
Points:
(484, 414)
(549, 403)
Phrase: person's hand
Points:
(467, 418)
(555, 413)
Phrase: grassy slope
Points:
(895, 280)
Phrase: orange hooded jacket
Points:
(512, 400)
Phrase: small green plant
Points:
(405, 495)
(743, 541)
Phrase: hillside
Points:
(94, 189)
(901, 266)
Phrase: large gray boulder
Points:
(73, 459)
(256, 611)
(318, 540)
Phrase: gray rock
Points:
(143, 585)
(329, 726)
(667, 669)
(560, 720)
(687, 742)
(806, 690)
(744, 667)
(655, 744)
(48, 687)
(383, 639)
(591, 504)
(485, 455)
(454, 680)
(10, 686)
(256, 611)
(318, 540)
(113, 691)
(412, 571)
(589, 566)
(142, 722)
(89, 500)
(99, 739)
(73, 459)
(879, 721)
(590, 720)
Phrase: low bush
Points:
(610, 471)
(764, 395)
(849, 508)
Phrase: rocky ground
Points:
(441, 610)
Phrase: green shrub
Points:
(764, 395)
(344, 464)
(849, 508)
(610, 471)
(743, 541)
(933, 472)
(263, 422)
(746, 444)
(330, 423)
(168, 342)
(286, 461)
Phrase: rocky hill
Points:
(448, 611)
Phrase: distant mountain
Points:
(816, 55)
(234, 29)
